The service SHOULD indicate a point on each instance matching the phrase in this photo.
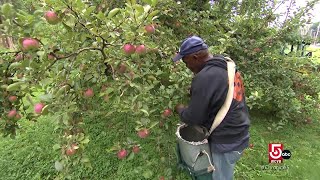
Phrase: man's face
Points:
(193, 63)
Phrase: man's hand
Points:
(179, 107)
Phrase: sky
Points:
(301, 3)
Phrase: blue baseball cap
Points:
(190, 45)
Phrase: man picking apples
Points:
(209, 89)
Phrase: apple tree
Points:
(77, 56)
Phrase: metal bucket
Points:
(194, 147)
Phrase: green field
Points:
(315, 53)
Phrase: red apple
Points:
(18, 117)
(30, 44)
(167, 112)
(20, 75)
(88, 93)
(13, 98)
(143, 133)
(122, 68)
(122, 154)
(70, 151)
(257, 50)
(51, 17)
(12, 113)
(50, 57)
(38, 108)
(129, 49)
(141, 49)
(251, 146)
(135, 149)
(161, 178)
(18, 57)
(150, 29)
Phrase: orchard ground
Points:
(31, 156)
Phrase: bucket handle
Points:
(211, 167)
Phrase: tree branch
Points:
(83, 25)
(288, 10)
(72, 54)
(10, 52)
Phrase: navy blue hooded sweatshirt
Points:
(209, 89)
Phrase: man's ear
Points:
(195, 56)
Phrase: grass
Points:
(31, 155)
(300, 140)
(315, 53)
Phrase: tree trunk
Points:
(316, 37)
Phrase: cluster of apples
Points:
(142, 133)
(123, 153)
(29, 44)
(139, 49)
(13, 114)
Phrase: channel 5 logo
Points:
(277, 154)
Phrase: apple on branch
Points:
(129, 49)
(29, 44)
(141, 49)
(12, 113)
(38, 108)
(13, 98)
(51, 17)
(149, 29)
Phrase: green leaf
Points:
(81, 137)
(145, 111)
(85, 141)
(139, 8)
(144, 121)
(56, 147)
(68, 28)
(89, 10)
(154, 124)
(85, 160)
(147, 1)
(100, 16)
(6, 9)
(148, 174)
(15, 65)
(153, 13)
(46, 97)
(65, 121)
(15, 86)
(58, 165)
(71, 21)
(131, 156)
(146, 8)
(154, 2)
(113, 12)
